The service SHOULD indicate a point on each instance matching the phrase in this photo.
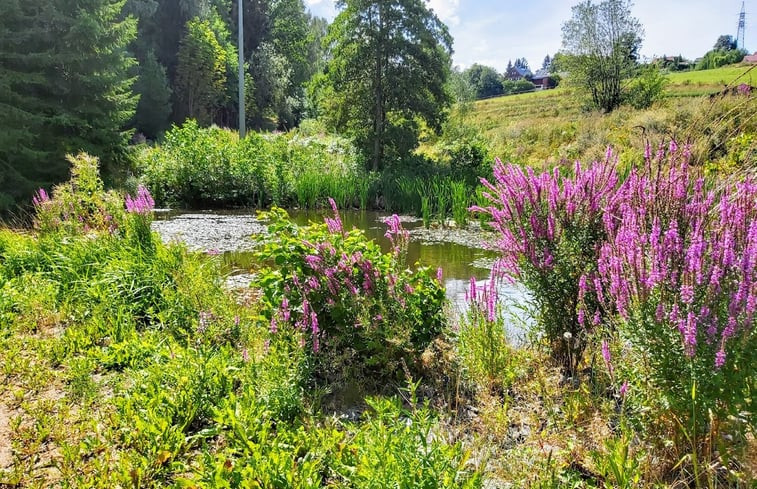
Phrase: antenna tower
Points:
(742, 26)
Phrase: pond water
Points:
(459, 253)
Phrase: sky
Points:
(491, 32)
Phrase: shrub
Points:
(79, 205)
(550, 229)
(340, 293)
(211, 166)
(680, 268)
(647, 88)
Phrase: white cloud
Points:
(446, 10)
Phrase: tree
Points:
(484, 80)
(724, 52)
(65, 87)
(600, 49)
(522, 63)
(389, 68)
(725, 43)
(547, 63)
(201, 72)
(154, 107)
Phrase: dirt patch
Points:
(6, 454)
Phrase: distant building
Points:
(752, 58)
(516, 73)
(542, 79)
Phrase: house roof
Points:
(541, 73)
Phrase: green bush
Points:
(357, 309)
(647, 88)
(211, 167)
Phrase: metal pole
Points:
(241, 71)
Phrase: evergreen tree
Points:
(547, 63)
(154, 108)
(64, 87)
(391, 61)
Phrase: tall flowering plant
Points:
(138, 219)
(680, 269)
(336, 291)
(80, 205)
(549, 232)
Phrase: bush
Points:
(212, 167)
(647, 88)
(550, 229)
(680, 268)
(341, 295)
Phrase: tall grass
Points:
(197, 167)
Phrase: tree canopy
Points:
(390, 61)
(600, 49)
(65, 86)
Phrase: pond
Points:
(460, 253)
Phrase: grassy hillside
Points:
(551, 126)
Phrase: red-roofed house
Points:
(752, 58)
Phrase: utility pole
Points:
(742, 27)
(241, 71)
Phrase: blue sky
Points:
(492, 31)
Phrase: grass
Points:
(547, 127)
(125, 363)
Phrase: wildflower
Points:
(334, 224)
(720, 359)
(246, 355)
(624, 389)
(607, 357)
(213, 252)
(40, 197)
(142, 203)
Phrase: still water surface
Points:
(235, 231)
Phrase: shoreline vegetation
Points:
(127, 363)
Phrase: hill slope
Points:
(550, 126)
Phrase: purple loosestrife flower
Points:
(40, 197)
(142, 203)
(607, 358)
(334, 224)
(684, 256)
(624, 389)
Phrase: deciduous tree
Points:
(201, 72)
(600, 49)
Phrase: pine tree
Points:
(64, 87)
(154, 108)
